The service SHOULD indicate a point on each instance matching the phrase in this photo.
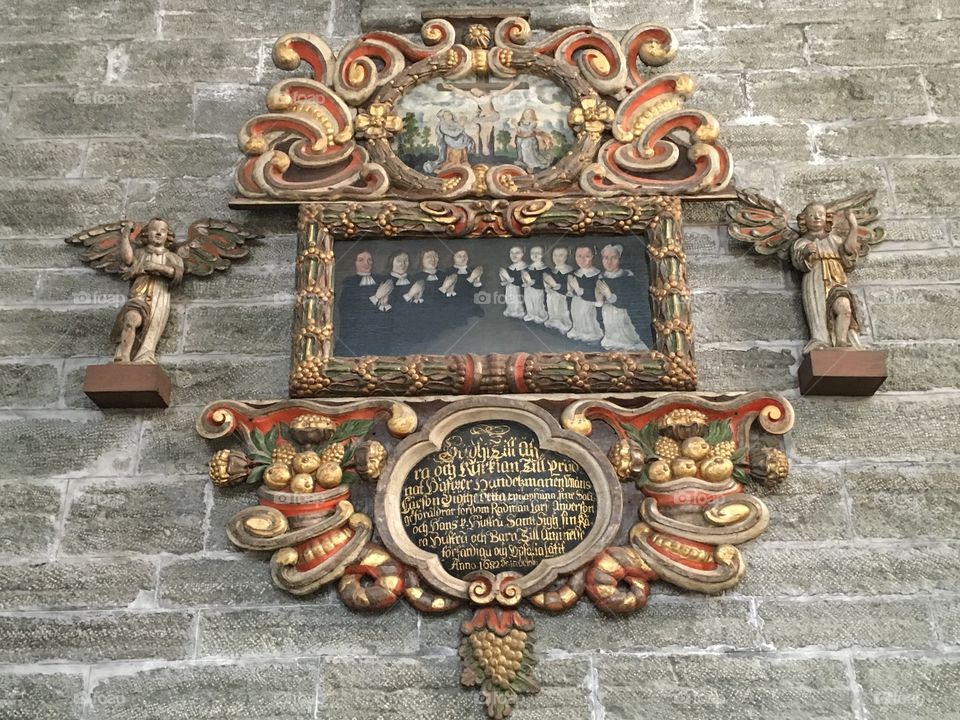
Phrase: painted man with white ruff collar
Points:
(618, 293)
(359, 321)
(534, 297)
(460, 284)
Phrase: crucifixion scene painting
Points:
(520, 122)
(435, 297)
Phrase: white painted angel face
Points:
(363, 263)
(430, 260)
(611, 259)
(461, 258)
(584, 256)
(400, 263)
(815, 217)
(560, 256)
(516, 254)
(157, 233)
(536, 253)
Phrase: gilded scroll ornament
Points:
(365, 120)
(493, 506)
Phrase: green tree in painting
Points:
(504, 138)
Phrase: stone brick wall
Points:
(119, 594)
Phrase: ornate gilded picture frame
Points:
(669, 364)
(484, 132)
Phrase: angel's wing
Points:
(211, 245)
(865, 214)
(760, 222)
(102, 245)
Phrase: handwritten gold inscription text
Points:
(492, 499)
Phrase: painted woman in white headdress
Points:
(582, 284)
(558, 298)
(618, 294)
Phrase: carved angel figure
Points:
(826, 244)
(149, 257)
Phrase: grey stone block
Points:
(222, 109)
(908, 268)
(41, 159)
(917, 688)
(665, 623)
(787, 142)
(46, 446)
(216, 59)
(25, 385)
(904, 501)
(426, 688)
(18, 287)
(56, 207)
(47, 19)
(182, 201)
(50, 696)
(735, 49)
(29, 253)
(241, 581)
(702, 240)
(146, 516)
(736, 316)
(837, 95)
(209, 692)
(875, 429)
(623, 14)
(171, 445)
(742, 269)
(30, 524)
(946, 615)
(742, 686)
(922, 367)
(850, 568)
(842, 623)
(875, 43)
(925, 187)
(805, 515)
(101, 584)
(930, 313)
(753, 369)
(80, 329)
(23, 63)
(719, 94)
(246, 281)
(101, 110)
(310, 630)
(911, 235)
(83, 287)
(262, 329)
(198, 380)
(805, 183)
(880, 139)
(941, 86)
(91, 638)
(169, 157)
(250, 19)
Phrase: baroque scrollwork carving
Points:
(701, 465)
(694, 461)
(333, 135)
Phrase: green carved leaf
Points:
(256, 475)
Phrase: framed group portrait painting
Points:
(461, 298)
